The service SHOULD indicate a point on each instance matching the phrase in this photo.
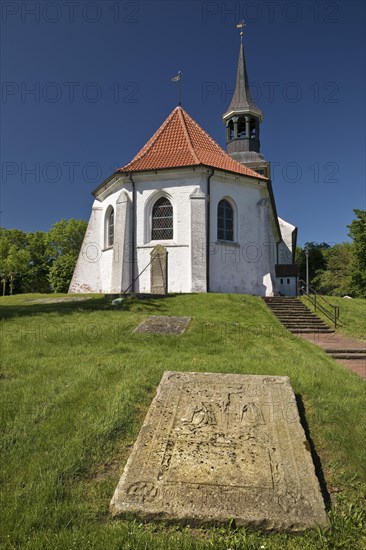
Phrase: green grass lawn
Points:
(352, 314)
(76, 383)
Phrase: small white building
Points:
(287, 276)
(185, 216)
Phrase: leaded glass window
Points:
(225, 221)
(110, 227)
(162, 220)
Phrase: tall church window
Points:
(162, 220)
(109, 227)
(225, 221)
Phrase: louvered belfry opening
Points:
(162, 220)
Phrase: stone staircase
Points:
(347, 354)
(295, 316)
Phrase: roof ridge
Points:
(186, 133)
(203, 130)
(181, 141)
(146, 148)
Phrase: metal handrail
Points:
(138, 275)
(141, 272)
(332, 312)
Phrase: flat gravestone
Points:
(164, 324)
(221, 446)
(59, 300)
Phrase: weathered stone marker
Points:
(164, 324)
(159, 270)
(221, 446)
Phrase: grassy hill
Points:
(76, 383)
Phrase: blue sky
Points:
(86, 83)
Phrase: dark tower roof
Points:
(242, 101)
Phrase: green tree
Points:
(30, 257)
(357, 230)
(66, 237)
(36, 278)
(335, 279)
(61, 273)
(14, 256)
(64, 242)
(317, 260)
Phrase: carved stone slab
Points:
(221, 446)
(159, 270)
(164, 324)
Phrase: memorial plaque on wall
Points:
(220, 446)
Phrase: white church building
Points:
(186, 216)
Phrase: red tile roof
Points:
(180, 141)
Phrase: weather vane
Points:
(178, 78)
(241, 26)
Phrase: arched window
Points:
(225, 221)
(162, 220)
(109, 227)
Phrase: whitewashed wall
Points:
(245, 266)
(177, 186)
(285, 252)
(87, 273)
(287, 286)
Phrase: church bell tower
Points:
(242, 120)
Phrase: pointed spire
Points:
(242, 120)
(242, 101)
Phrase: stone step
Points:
(299, 323)
(348, 356)
(310, 330)
(292, 311)
(301, 318)
(287, 305)
(307, 321)
(306, 325)
(345, 350)
(281, 299)
(288, 315)
(297, 317)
